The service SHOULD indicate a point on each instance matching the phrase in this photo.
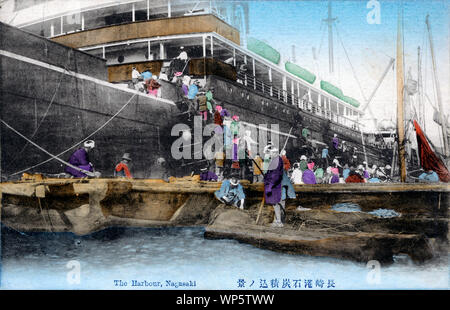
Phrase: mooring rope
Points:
(73, 146)
(45, 151)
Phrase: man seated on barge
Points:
(80, 160)
(231, 192)
(429, 176)
(122, 170)
(355, 176)
(207, 175)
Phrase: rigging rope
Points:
(76, 144)
(360, 88)
(353, 71)
(351, 65)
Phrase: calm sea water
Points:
(99, 260)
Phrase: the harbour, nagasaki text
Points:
(145, 283)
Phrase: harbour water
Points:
(173, 258)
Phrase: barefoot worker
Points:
(273, 186)
(231, 192)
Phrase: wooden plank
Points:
(40, 191)
(19, 189)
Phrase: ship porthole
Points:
(121, 58)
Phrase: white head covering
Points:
(89, 143)
(160, 160)
(183, 56)
(186, 80)
(273, 149)
(234, 181)
(267, 148)
(336, 161)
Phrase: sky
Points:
(369, 46)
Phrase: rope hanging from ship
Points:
(45, 151)
(45, 114)
(70, 148)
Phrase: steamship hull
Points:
(57, 96)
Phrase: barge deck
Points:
(88, 205)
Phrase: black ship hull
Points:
(57, 97)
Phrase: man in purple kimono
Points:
(273, 186)
(206, 175)
(335, 141)
(80, 159)
(308, 175)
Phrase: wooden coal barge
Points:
(88, 205)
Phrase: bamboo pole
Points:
(260, 209)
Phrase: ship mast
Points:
(330, 20)
(420, 90)
(438, 92)
(400, 93)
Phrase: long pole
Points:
(263, 201)
(400, 92)
(438, 91)
(391, 62)
(330, 38)
(419, 89)
(287, 139)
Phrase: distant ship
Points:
(66, 74)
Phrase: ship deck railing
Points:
(305, 105)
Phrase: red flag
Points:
(428, 159)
